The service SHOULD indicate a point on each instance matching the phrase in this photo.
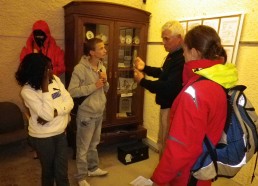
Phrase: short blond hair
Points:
(175, 27)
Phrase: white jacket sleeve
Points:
(39, 103)
(67, 101)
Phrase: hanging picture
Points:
(192, 24)
(228, 27)
(214, 23)
(228, 30)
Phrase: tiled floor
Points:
(19, 168)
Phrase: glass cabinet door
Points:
(127, 89)
(99, 31)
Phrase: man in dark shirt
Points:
(169, 82)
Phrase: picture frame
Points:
(228, 26)
(126, 84)
(125, 105)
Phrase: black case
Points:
(132, 153)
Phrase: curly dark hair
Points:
(31, 70)
(206, 40)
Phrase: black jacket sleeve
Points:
(152, 71)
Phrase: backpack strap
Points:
(254, 168)
(238, 87)
(192, 181)
(212, 153)
(229, 103)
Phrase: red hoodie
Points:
(50, 49)
(199, 109)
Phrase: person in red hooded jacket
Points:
(41, 41)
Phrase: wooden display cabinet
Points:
(124, 31)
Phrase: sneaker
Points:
(83, 183)
(97, 172)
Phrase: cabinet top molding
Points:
(104, 9)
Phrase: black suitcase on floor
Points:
(131, 153)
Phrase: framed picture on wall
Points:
(228, 26)
(228, 30)
(229, 51)
(214, 23)
(184, 25)
(192, 24)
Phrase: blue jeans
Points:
(52, 153)
(87, 139)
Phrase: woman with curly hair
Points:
(49, 105)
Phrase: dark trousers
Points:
(52, 153)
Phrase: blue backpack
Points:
(237, 145)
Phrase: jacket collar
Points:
(225, 75)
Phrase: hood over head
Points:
(41, 25)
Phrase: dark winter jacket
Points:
(169, 82)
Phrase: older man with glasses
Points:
(169, 82)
